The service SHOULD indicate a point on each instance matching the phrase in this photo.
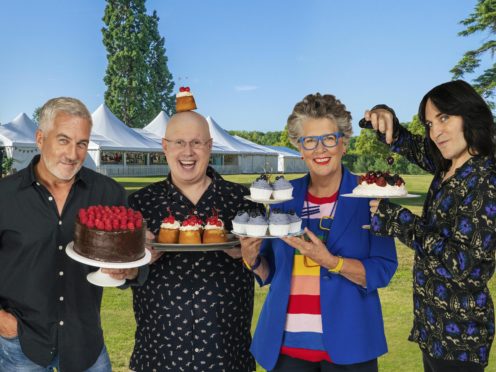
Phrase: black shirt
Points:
(194, 311)
(57, 309)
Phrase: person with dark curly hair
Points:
(454, 239)
(322, 312)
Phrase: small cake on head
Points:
(190, 230)
(278, 223)
(294, 222)
(214, 231)
(261, 189)
(185, 100)
(379, 184)
(256, 224)
(239, 222)
(169, 230)
(282, 189)
(110, 234)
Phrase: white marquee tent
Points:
(289, 161)
(245, 158)
(18, 140)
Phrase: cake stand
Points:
(102, 279)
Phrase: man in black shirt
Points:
(194, 311)
(49, 313)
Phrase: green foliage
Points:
(368, 145)
(483, 19)
(7, 164)
(36, 114)
(138, 81)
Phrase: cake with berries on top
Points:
(110, 234)
(185, 100)
(169, 230)
(214, 231)
(191, 230)
(380, 184)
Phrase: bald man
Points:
(194, 312)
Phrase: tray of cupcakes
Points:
(266, 192)
(279, 223)
(192, 235)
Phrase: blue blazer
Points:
(352, 324)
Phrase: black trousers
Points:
(440, 365)
(287, 364)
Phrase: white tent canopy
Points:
(18, 139)
(108, 125)
(249, 158)
(157, 125)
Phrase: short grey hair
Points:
(68, 105)
(318, 106)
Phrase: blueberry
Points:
(390, 160)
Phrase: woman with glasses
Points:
(322, 312)
(455, 238)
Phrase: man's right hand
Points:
(150, 238)
(383, 121)
(8, 325)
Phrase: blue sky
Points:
(247, 62)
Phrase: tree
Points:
(36, 115)
(138, 81)
(483, 19)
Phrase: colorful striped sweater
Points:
(303, 330)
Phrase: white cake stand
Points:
(102, 279)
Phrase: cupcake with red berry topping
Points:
(185, 100)
(169, 230)
(214, 231)
(190, 230)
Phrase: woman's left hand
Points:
(374, 204)
(315, 249)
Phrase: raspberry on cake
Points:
(110, 234)
(190, 230)
(214, 231)
(380, 184)
(185, 100)
(169, 230)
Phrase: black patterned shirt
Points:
(194, 311)
(454, 242)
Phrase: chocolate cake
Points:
(110, 235)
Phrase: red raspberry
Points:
(130, 226)
(138, 223)
(381, 181)
(91, 224)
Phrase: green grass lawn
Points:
(118, 319)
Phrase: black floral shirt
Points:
(194, 312)
(454, 242)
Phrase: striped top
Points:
(303, 330)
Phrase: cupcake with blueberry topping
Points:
(278, 223)
(260, 188)
(282, 189)
(256, 225)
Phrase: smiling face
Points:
(446, 131)
(187, 164)
(321, 161)
(63, 147)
